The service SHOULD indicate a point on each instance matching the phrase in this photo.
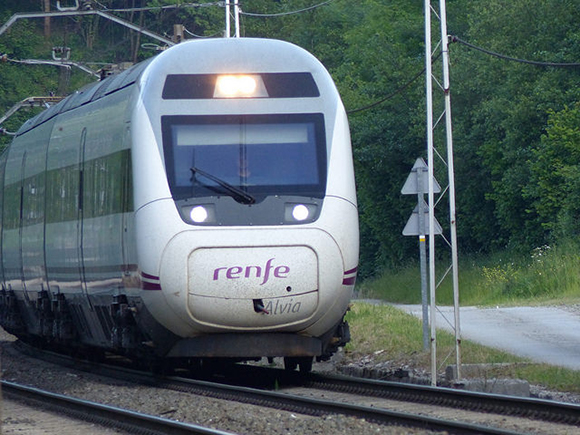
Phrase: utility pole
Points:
(46, 8)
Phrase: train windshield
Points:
(257, 154)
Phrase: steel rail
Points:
(538, 409)
(105, 415)
(482, 402)
(319, 407)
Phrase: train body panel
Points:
(156, 211)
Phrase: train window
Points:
(259, 154)
(202, 86)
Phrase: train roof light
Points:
(267, 85)
(240, 86)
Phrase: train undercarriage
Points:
(55, 323)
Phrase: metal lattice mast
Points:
(445, 87)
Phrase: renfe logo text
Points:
(238, 272)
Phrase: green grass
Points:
(548, 275)
(389, 334)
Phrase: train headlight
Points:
(240, 86)
(199, 214)
(297, 213)
(300, 212)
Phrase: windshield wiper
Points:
(237, 193)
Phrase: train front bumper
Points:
(265, 281)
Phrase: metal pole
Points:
(430, 163)
(423, 258)
(237, 17)
(451, 175)
(228, 31)
(111, 17)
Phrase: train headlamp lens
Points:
(227, 85)
(246, 85)
(198, 214)
(300, 212)
(240, 86)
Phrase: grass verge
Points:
(546, 275)
(389, 334)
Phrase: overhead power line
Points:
(396, 92)
(453, 38)
(158, 8)
(209, 4)
(281, 14)
(391, 95)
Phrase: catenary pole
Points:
(431, 194)
(237, 17)
(228, 28)
(451, 183)
(102, 14)
(451, 176)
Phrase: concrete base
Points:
(508, 387)
(480, 380)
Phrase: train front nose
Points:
(259, 287)
(252, 287)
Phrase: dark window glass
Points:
(201, 86)
(261, 154)
(290, 85)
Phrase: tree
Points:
(501, 108)
(555, 183)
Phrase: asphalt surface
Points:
(544, 334)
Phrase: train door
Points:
(21, 226)
(33, 187)
(80, 224)
(62, 212)
(3, 158)
(127, 237)
(11, 220)
(64, 226)
(16, 301)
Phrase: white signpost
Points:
(418, 225)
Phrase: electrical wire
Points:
(396, 92)
(453, 38)
(201, 36)
(281, 14)
(156, 8)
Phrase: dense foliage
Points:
(516, 125)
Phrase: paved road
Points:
(544, 334)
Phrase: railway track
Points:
(427, 408)
(102, 415)
(541, 410)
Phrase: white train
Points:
(198, 205)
